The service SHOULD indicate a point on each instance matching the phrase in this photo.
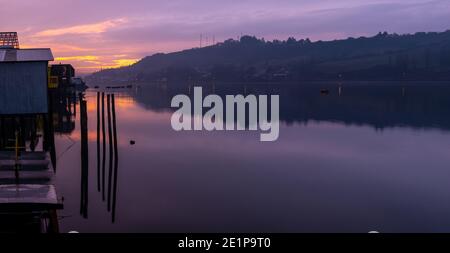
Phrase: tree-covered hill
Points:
(420, 56)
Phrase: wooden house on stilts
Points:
(28, 199)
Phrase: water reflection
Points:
(64, 109)
(113, 156)
(329, 171)
(116, 160)
(379, 105)
(103, 146)
(98, 144)
(84, 158)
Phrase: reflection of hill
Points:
(153, 98)
(380, 105)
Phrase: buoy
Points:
(324, 92)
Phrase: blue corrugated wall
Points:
(23, 87)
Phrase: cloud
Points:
(125, 30)
(125, 62)
(87, 64)
(94, 28)
(77, 58)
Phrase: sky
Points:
(100, 34)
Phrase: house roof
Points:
(25, 55)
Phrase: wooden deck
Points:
(27, 190)
(28, 197)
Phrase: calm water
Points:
(367, 157)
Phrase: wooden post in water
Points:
(23, 132)
(98, 141)
(84, 158)
(16, 149)
(54, 225)
(2, 133)
(74, 102)
(116, 160)
(45, 141)
(103, 146)
(110, 151)
(51, 132)
(33, 130)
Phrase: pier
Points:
(28, 197)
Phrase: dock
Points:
(28, 196)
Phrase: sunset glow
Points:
(82, 29)
(207, 125)
(126, 31)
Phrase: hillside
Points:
(420, 56)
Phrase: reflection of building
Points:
(63, 103)
(64, 73)
(27, 128)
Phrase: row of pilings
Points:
(107, 153)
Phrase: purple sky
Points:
(98, 34)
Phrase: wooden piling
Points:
(54, 224)
(116, 160)
(51, 133)
(110, 151)
(103, 146)
(45, 141)
(33, 136)
(84, 158)
(98, 141)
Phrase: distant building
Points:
(64, 72)
(23, 80)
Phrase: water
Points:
(364, 157)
